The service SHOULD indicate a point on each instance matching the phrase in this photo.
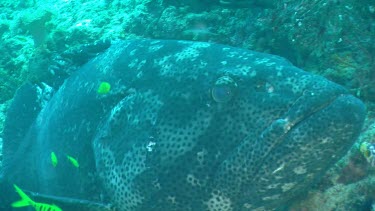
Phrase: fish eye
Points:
(224, 89)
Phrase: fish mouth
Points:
(299, 147)
(302, 109)
(308, 104)
(320, 124)
(334, 115)
(315, 101)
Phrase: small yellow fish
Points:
(73, 161)
(27, 201)
(104, 88)
(368, 151)
(53, 159)
(364, 148)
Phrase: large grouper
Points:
(177, 126)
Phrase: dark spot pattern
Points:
(159, 140)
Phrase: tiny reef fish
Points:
(27, 201)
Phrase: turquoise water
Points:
(173, 105)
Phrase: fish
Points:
(104, 88)
(54, 160)
(368, 151)
(27, 201)
(187, 126)
(73, 161)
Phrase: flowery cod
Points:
(184, 126)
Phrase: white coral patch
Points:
(299, 170)
(267, 198)
(287, 186)
(273, 186)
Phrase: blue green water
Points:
(214, 116)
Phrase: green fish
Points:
(53, 159)
(73, 161)
(104, 88)
(27, 201)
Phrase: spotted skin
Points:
(159, 140)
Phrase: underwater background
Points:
(46, 41)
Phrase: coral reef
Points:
(34, 22)
(357, 196)
(334, 38)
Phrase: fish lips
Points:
(330, 109)
(325, 110)
(316, 140)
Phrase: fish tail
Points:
(25, 200)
